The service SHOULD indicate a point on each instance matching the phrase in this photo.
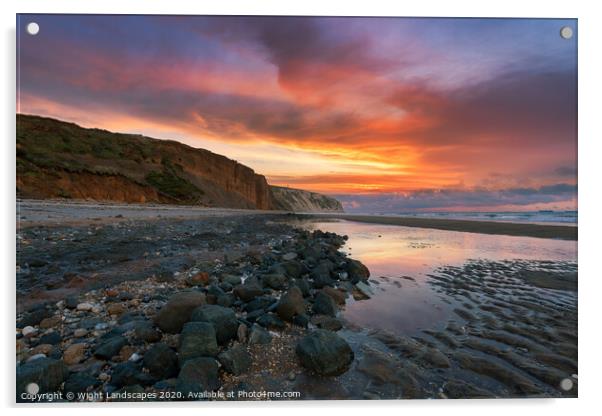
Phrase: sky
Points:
(386, 114)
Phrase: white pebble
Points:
(36, 357)
(85, 306)
(135, 357)
(29, 331)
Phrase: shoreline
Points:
(563, 232)
(53, 212)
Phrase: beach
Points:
(115, 299)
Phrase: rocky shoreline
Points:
(251, 308)
(181, 334)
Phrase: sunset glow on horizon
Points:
(386, 114)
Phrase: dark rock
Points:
(301, 320)
(71, 302)
(325, 353)
(275, 281)
(303, 286)
(33, 318)
(47, 373)
(324, 305)
(231, 279)
(321, 275)
(247, 292)
(110, 347)
(128, 374)
(196, 340)
(161, 361)
(80, 382)
(177, 311)
(291, 304)
(271, 321)
(52, 338)
(235, 360)
(255, 315)
(326, 322)
(258, 335)
(294, 269)
(198, 375)
(226, 300)
(223, 320)
(144, 331)
(337, 295)
(357, 271)
(260, 303)
(128, 394)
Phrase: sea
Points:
(535, 217)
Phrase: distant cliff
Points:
(56, 159)
(289, 199)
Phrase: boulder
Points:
(247, 292)
(177, 311)
(47, 373)
(34, 317)
(235, 360)
(357, 271)
(197, 339)
(129, 374)
(161, 361)
(324, 305)
(223, 320)
(80, 383)
(275, 281)
(291, 304)
(325, 353)
(145, 331)
(110, 347)
(198, 375)
(271, 321)
(258, 335)
(337, 295)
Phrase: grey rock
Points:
(235, 360)
(291, 304)
(223, 320)
(110, 347)
(325, 353)
(177, 311)
(47, 373)
(161, 361)
(324, 305)
(247, 292)
(258, 335)
(197, 339)
(197, 376)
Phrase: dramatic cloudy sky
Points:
(387, 114)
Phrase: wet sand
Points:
(564, 232)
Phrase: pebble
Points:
(104, 377)
(29, 331)
(74, 354)
(135, 357)
(80, 332)
(85, 306)
(36, 357)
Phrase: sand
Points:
(564, 232)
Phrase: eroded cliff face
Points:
(297, 200)
(56, 159)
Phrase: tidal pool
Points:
(401, 258)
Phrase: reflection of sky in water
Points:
(395, 251)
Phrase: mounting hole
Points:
(566, 32)
(33, 28)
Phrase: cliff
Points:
(56, 159)
(289, 199)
